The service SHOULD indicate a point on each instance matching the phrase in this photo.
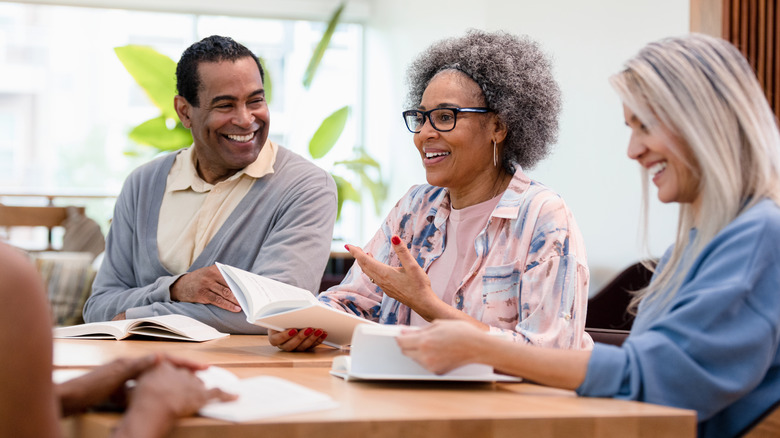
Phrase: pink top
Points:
(529, 278)
(459, 254)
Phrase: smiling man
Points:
(233, 197)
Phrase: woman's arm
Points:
(446, 345)
(27, 399)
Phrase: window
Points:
(67, 103)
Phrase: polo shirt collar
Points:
(186, 175)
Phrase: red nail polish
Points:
(396, 240)
(346, 247)
(324, 336)
(292, 332)
(318, 333)
(307, 332)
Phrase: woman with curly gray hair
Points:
(481, 242)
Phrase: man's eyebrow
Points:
(229, 98)
(225, 97)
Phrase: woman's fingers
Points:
(373, 269)
(402, 252)
(298, 340)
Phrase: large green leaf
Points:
(360, 162)
(155, 132)
(322, 46)
(267, 83)
(377, 188)
(345, 192)
(328, 133)
(154, 72)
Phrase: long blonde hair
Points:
(703, 90)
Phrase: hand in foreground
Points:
(296, 339)
(107, 382)
(408, 284)
(443, 346)
(204, 286)
(162, 395)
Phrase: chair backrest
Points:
(607, 336)
(23, 216)
(767, 426)
(608, 309)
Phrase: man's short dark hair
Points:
(211, 49)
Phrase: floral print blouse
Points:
(530, 278)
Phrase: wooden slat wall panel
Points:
(751, 25)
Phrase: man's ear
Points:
(183, 109)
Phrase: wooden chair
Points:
(608, 309)
(768, 425)
(607, 336)
(608, 320)
(22, 216)
(336, 269)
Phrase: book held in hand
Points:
(175, 327)
(280, 306)
(375, 355)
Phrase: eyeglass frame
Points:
(455, 112)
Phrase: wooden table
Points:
(432, 410)
(235, 350)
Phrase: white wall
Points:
(589, 41)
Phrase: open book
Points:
(280, 306)
(259, 397)
(178, 327)
(375, 355)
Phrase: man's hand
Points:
(205, 286)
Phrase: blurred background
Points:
(67, 103)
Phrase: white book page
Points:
(261, 397)
(95, 330)
(338, 324)
(176, 327)
(375, 355)
(260, 291)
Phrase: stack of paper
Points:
(260, 397)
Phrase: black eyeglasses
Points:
(442, 119)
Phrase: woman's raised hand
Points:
(408, 284)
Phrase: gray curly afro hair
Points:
(516, 80)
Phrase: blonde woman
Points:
(707, 327)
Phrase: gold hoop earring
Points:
(495, 159)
